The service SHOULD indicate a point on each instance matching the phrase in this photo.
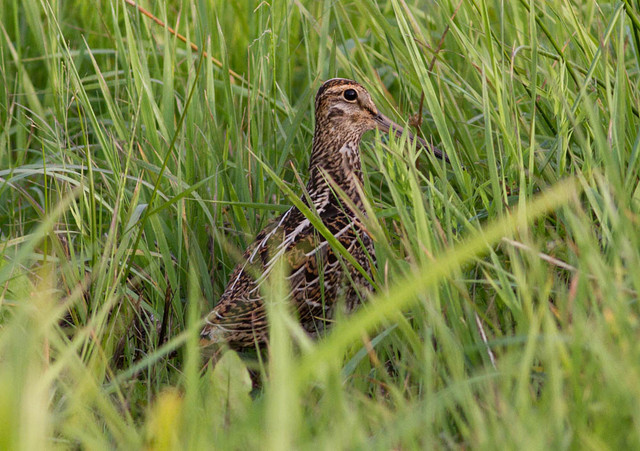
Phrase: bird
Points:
(318, 278)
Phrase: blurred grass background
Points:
(134, 169)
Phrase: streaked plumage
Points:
(317, 278)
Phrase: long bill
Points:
(386, 125)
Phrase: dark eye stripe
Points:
(335, 112)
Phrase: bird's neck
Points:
(335, 162)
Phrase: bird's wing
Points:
(314, 277)
(240, 315)
(316, 272)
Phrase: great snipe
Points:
(317, 278)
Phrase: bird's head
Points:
(343, 104)
(344, 107)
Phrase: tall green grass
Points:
(134, 169)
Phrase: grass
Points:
(134, 169)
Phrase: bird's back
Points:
(317, 277)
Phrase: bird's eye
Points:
(350, 95)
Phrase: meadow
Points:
(137, 161)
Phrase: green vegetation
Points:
(134, 169)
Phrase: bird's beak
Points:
(386, 125)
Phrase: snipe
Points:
(317, 278)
